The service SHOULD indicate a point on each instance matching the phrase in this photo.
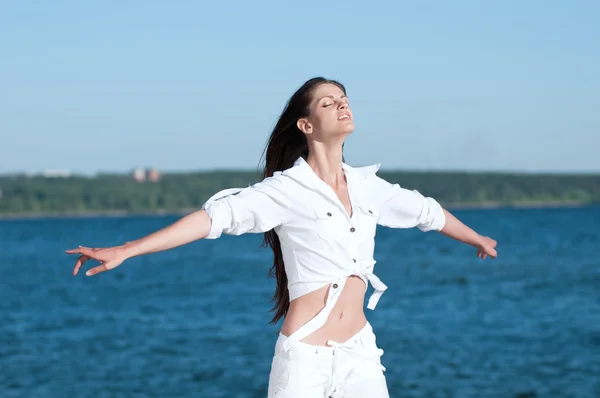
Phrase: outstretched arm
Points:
(403, 208)
(455, 229)
(187, 229)
(258, 208)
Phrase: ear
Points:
(304, 125)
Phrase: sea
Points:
(194, 321)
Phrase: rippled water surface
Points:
(193, 322)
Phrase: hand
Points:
(486, 247)
(110, 257)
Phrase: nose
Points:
(343, 105)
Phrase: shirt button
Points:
(354, 259)
(329, 214)
(335, 285)
(352, 229)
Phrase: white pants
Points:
(340, 370)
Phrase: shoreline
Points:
(182, 212)
(93, 214)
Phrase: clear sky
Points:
(197, 85)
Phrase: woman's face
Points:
(330, 114)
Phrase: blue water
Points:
(193, 321)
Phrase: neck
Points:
(326, 162)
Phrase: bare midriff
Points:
(345, 320)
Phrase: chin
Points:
(337, 133)
(347, 130)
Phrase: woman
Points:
(319, 216)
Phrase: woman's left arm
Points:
(403, 208)
(455, 229)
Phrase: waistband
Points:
(361, 346)
(335, 289)
(327, 350)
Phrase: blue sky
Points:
(190, 85)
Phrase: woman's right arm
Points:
(187, 229)
(258, 208)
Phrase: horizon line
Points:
(67, 173)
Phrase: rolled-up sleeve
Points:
(255, 209)
(404, 208)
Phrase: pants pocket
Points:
(279, 377)
(371, 350)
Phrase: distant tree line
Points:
(182, 192)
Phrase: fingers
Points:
(485, 252)
(101, 268)
(81, 250)
(86, 254)
(96, 270)
(80, 261)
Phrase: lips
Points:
(344, 116)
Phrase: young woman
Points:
(319, 216)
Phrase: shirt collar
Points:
(363, 171)
(304, 174)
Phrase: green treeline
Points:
(183, 192)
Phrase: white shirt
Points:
(321, 243)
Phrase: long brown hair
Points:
(286, 144)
